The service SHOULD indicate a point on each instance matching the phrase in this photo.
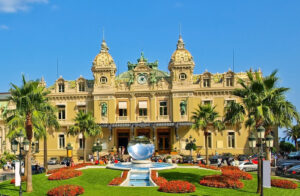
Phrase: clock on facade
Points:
(142, 79)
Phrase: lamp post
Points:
(268, 141)
(22, 145)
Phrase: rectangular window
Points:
(143, 108)
(229, 81)
(81, 108)
(122, 112)
(61, 88)
(231, 140)
(81, 143)
(209, 140)
(61, 112)
(206, 82)
(61, 141)
(81, 87)
(207, 102)
(163, 108)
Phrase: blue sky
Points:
(34, 33)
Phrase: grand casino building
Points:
(142, 101)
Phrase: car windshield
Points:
(293, 153)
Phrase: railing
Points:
(163, 118)
(142, 118)
(122, 118)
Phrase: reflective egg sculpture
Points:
(140, 148)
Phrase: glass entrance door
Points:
(163, 142)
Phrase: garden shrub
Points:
(66, 190)
(236, 174)
(177, 186)
(80, 165)
(65, 174)
(23, 179)
(118, 180)
(156, 179)
(286, 184)
(209, 167)
(220, 181)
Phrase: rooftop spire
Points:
(104, 47)
(180, 43)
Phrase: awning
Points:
(143, 105)
(122, 105)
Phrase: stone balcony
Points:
(122, 118)
(163, 118)
(142, 118)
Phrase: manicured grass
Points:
(95, 182)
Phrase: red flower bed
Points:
(65, 174)
(286, 184)
(66, 190)
(159, 181)
(236, 174)
(220, 181)
(177, 186)
(74, 167)
(23, 179)
(209, 167)
(230, 168)
(118, 180)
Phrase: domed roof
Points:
(181, 56)
(104, 59)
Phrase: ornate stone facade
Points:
(145, 101)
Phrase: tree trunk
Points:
(25, 164)
(29, 188)
(206, 148)
(45, 154)
(296, 144)
(29, 137)
(84, 153)
(268, 150)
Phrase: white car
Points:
(248, 166)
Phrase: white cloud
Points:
(4, 27)
(12, 6)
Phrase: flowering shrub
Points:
(66, 190)
(23, 179)
(157, 180)
(65, 174)
(209, 167)
(286, 184)
(230, 168)
(80, 165)
(220, 181)
(236, 174)
(177, 186)
(118, 180)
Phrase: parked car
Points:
(65, 160)
(294, 155)
(187, 159)
(242, 157)
(248, 166)
(282, 168)
(293, 172)
(53, 161)
(214, 159)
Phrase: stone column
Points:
(132, 109)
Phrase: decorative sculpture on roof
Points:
(103, 109)
(142, 60)
(153, 78)
(183, 105)
(131, 79)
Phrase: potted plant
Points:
(191, 146)
(174, 151)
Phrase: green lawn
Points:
(95, 183)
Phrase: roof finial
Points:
(104, 47)
(179, 29)
(103, 34)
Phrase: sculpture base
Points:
(141, 161)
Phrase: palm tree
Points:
(264, 104)
(203, 117)
(49, 120)
(294, 134)
(86, 125)
(234, 114)
(28, 98)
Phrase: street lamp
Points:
(268, 141)
(191, 144)
(22, 145)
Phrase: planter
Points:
(174, 153)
